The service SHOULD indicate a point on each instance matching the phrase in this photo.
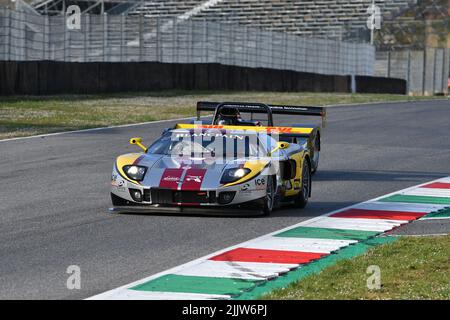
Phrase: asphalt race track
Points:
(55, 194)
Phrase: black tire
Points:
(316, 156)
(302, 198)
(269, 199)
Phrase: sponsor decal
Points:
(197, 179)
(245, 190)
(260, 183)
(120, 185)
(171, 178)
(266, 129)
(278, 130)
(209, 135)
(193, 179)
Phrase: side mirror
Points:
(138, 141)
(280, 146)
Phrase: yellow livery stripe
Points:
(279, 130)
(296, 182)
(255, 166)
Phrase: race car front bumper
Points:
(245, 209)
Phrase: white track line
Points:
(100, 128)
(256, 270)
(225, 273)
(423, 235)
(121, 292)
(382, 102)
(154, 295)
(429, 192)
(434, 218)
(362, 224)
(400, 206)
(300, 244)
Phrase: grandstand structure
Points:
(55, 7)
(329, 19)
(321, 18)
(332, 19)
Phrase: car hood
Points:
(187, 173)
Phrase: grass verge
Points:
(411, 268)
(25, 116)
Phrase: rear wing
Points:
(270, 110)
(285, 131)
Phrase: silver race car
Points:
(216, 167)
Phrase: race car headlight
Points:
(232, 175)
(136, 173)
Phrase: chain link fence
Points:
(123, 38)
(426, 71)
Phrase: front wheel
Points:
(302, 198)
(269, 199)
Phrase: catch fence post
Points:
(122, 36)
(205, 42)
(9, 35)
(388, 75)
(159, 56)
(141, 37)
(408, 75)
(105, 36)
(424, 71)
(434, 70)
(444, 71)
(65, 36)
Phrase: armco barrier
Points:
(366, 84)
(50, 77)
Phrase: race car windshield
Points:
(209, 144)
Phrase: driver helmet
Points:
(229, 116)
